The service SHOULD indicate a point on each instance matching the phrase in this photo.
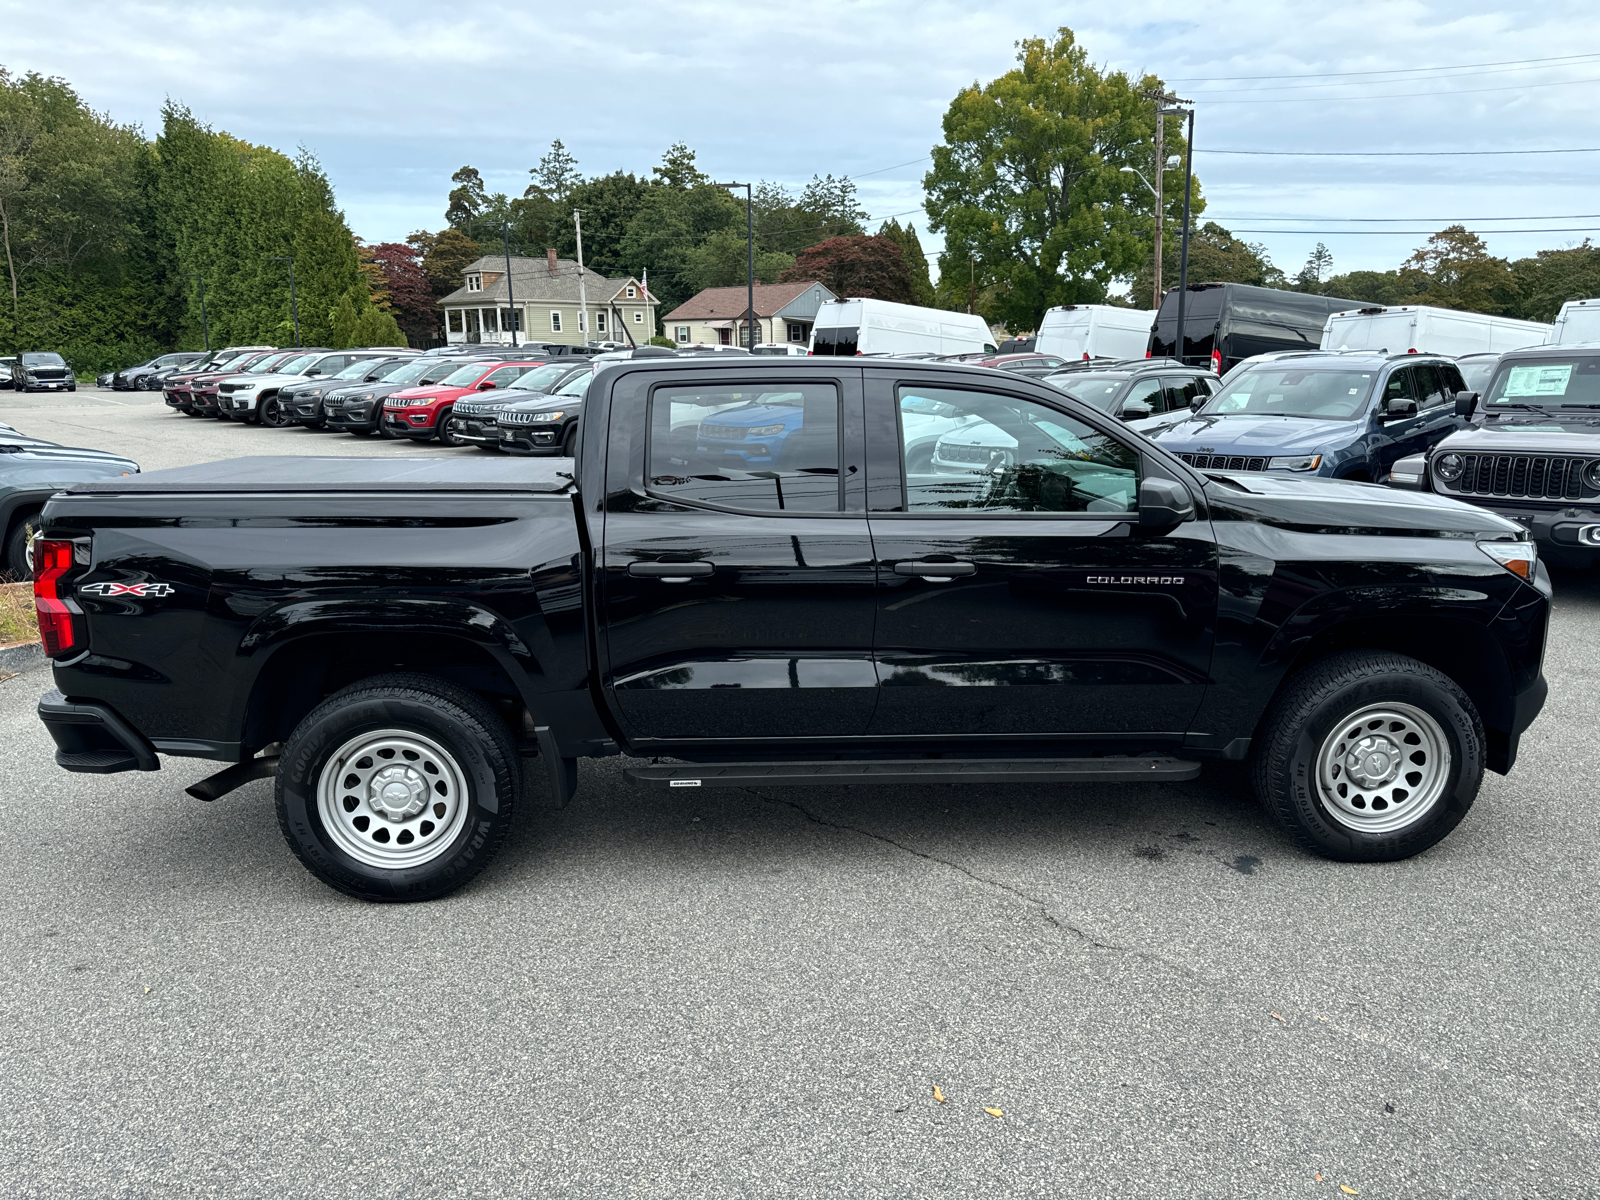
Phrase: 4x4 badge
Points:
(127, 589)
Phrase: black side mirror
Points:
(1198, 402)
(1135, 410)
(1399, 408)
(1163, 504)
(1466, 402)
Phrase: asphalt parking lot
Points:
(738, 993)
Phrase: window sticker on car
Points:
(1545, 380)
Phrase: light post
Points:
(750, 256)
(294, 306)
(1188, 180)
(204, 324)
(511, 295)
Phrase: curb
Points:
(20, 658)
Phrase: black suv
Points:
(1532, 451)
(476, 419)
(1139, 389)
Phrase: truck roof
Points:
(266, 473)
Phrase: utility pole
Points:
(1162, 99)
(1183, 256)
(511, 295)
(294, 306)
(750, 261)
(1169, 105)
(204, 324)
(972, 283)
(583, 293)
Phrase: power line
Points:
(896, 167)
(1300, 87)
(1391, 220)
(1510, 62)
(1393, 153)
(1408, 232)
(1518, 87)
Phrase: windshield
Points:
(265, 363)
(43, 360)
(1293, 392)
(462, 376)
(356, 370)
(412, 371)
(577, 385)
(295, 365)
(1570, 382)
(1098, 390)
(542, 379)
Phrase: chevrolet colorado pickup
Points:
(394, 640)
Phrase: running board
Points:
(917, 770)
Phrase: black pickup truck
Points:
(737, 573)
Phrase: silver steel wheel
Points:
(392, 798)
(1383, 768)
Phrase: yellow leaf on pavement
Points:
(1348, 1190)
(1276, 1017)
(995, 1112)
(937, 1094)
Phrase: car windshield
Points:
(411, 372)
(541, 379)
(1098, 390)
(266, 363)
(1273, 391)
(462, 376)
(355, 370)
(576, 386)
(43, 360)
(1568, 382)
(1476, 374)
(295, 365)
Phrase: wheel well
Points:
(1359, 476)
(18, 515)
(1460, 649)
(303, 673)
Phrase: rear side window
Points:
(1181, 393)
(841, 339)
(1453, 382)
(1430, 387)
(759, 449)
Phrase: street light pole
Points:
(750, 259)
(204, 324)
(294, 305)
(1180, 108)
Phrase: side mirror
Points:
(1466, 402)
(314, 371)
(1135, 410)
(1199, 402)
(487, 384)
(1399, 409)
(1163, 504)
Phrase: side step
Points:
(917, 770)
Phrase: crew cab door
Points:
(1019, 594)
(738, 585)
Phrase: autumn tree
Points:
(856, 267)
(409, 295)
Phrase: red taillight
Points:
(1413, 350)
(1146, 354)
(52, 562)
(1086, 355)
(1216, 362)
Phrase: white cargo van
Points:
(1420, 329)
(1578, 321)
(1090, 331)
(883, 327)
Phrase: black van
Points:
(1225, 323)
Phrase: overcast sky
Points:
(394, 96)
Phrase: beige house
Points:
(785, 312)
(542, 304)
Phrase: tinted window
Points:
(759, 449)
(1400, 386)
(835, 340)
(1181, 393)
(1430, 386)
(1144, 391)
(1293, 392)
(1000, 454)
(1098, 390)
(1453, 382)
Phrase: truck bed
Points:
(283, 474)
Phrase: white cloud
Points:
(394, 97)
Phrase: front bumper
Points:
(531, 439)
(91, 737)
(411, 423)
(308, 410)
(480, 431)
(238, 403)
(350, 416)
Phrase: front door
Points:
(1019, 595)
(739, 585)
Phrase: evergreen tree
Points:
(916, 261)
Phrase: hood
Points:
(377, 388)
(31, 462)
(521, 397)
(431, 391)
(1338, 506)
(1543, 433)
(537, 401)
(270, 380)
(751, 416)
(1255, 434)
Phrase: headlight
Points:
(764, 431)
(1591, 474)
(361, 397)
(1299, 462)
(312, 394)
(245, 387)
(542, 417)
(1448, 467)
(1520, 558)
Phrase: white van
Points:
(883, 327)
(1419, 329)
(1578, 321)
(1088, 331)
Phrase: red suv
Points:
(424, 412)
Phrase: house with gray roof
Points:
(785, 312)
(543, 302)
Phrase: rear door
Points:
(1020, 597)
(738, 585)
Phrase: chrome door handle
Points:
(935, 570)
(670, 572)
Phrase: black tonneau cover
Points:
(317, 474)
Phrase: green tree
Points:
(556, 175)
(445, 256)
(1215, 256)
(1370, 287)
(1456, 270)
(1548, 279)
(609, 204)
(677, 169)
(722, 260)
(1319, 266)
(916, 261)
(663, 236)
(375, 327)
(1029, 181)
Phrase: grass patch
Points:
(17, 620)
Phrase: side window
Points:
(1400, 387)
(504, 376)
(1144, 391)
(1182, 392)
(761, 449)
(1430, 388)
(1453, 382)
(983, 453)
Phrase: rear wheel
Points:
(1369, 756)
(19, 548)
(399, 788)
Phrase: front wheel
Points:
(273, 413)
(447, 432)
(398, 788)
(569, 440)
(1369, 756)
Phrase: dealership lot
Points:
(726, 993)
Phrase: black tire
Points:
(1304, 724)
(360, 432)
(17, 568)
(270, 413)
(449, 716)
(569, 440)
(382, 430)
(447, 431)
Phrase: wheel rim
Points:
(1383, 767)
(447, 432)
(269, 412)
(392, 798)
